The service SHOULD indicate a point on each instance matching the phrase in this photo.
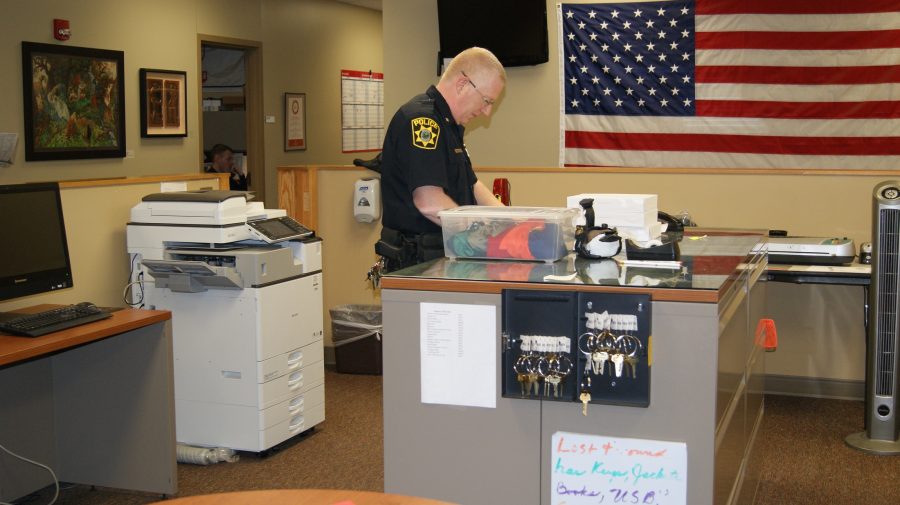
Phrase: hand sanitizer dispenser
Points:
(367, 200)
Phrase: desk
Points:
(303, 497)
(854, 274)
(94, 402)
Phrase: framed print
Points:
(294, 121)
(74, 102)
(163, 103)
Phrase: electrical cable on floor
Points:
(35, 463)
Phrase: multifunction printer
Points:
(244, 285)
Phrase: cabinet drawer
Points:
(298, 404)
(239, 427)
(290, 384)
(277, 366)
(294, 425)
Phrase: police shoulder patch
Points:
(425, 132)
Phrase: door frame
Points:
(253, 104)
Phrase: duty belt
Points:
(402, 249)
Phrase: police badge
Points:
(425, 132)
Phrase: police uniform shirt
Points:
(423, 146)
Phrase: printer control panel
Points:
(278, 229)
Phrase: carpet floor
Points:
(802, 443)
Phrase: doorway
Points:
(230, 91)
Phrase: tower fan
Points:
(882, 434)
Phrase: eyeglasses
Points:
(487, 101)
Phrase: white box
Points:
(619, 209)
(617, 202)
(641, 233)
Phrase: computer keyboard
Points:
(48, 321)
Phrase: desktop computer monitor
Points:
(34, 255)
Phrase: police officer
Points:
(425, 167)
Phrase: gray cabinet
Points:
(706, 389)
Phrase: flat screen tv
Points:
(34, 254)
(514, 30)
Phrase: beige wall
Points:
(524, 130)
(162, 35)
(305, 44)
(348, 244)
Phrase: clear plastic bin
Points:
(508, 233)
(356, 334)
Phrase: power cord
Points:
(35, 463)
(128, 287)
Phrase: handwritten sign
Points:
(590, 469)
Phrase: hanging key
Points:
(375, 273)
(618, 360)
(552, 380)
(632, 361)
(522, 369)
(631, 348)
(595, 362)
(533, 383)
(522, 378)
(585, 398)
(585, 395)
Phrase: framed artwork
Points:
(74, 102)
(294, 121)
(163, 103)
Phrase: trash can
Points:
(356, 334)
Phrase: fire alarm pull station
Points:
(61, 29)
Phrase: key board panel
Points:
(576, 347)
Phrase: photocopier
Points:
(244, 285)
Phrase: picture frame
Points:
(163, 103)
(295, 121)
(74, 102)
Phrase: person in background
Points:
(425, 167)
(221, 158)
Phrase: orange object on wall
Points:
(766, 335)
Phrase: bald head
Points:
(474, 61)
(471, 83)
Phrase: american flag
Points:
(809, 84)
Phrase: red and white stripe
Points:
(779, 84)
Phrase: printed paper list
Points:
(458, 354)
